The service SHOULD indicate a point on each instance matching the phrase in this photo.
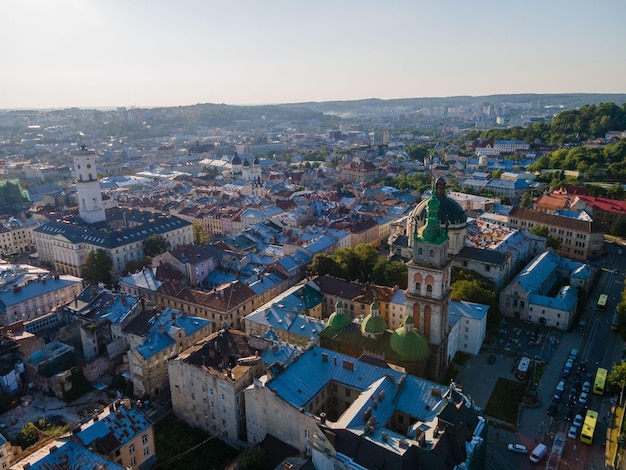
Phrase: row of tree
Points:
(363, 263)
(574, 126)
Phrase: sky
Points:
(148, 53)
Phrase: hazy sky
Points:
(60, 53)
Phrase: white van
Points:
(539, 453)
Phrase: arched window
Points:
(418, 287)
(420, 251)
(429, 288)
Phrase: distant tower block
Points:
(87, 186)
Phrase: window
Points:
(418, 286)
(429, 288)
(347, 392)
(307, 434)
(133, 462)
(144, 439)
(146, 451)
(131, 449)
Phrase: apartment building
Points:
(37, 297)
(155, 337)
(208, 380)
(122, 433)
(17, 236)
(579, 239)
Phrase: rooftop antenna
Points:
(80, 140)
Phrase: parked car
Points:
(578, 421)
(518, 448)
(583, 398)
(582, 367)
(586, 387)
(573, 432)
(557, 396)
(569, 414)
(561, 385)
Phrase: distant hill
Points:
(566, 100)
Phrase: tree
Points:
(28, 435)
(98, 265)
(544, 231)
(617, 376)
(135, 265)
(200, 236)
(390, 273)
(324, 264)
(472, 290)
(526, 199)
(155, 245)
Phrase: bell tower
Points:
(428, 287)
(87, 186)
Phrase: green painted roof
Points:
(374, 325)
(410, 345)
(409, 320)
(338, 321)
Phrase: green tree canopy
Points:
(617, 376)
(200, 235)
(544, 231)
(155, 245)
(363, 263)
(27, 436)
(473, 290)
(98, 265)
(135, 265)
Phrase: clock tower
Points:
(87, 186)
(428, 288)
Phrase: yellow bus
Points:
(589, 427)
(600, 382)
(601, 306)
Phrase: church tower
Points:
(87, 186)
(428, 288)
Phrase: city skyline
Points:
(147, 54)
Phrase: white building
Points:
(468, 327)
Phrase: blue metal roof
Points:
(72, 456)
(310, 373)
(37, 289)
(124, 424)
(466, 309)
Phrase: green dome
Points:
(409, 345)
(338, 321)
(375, 325)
